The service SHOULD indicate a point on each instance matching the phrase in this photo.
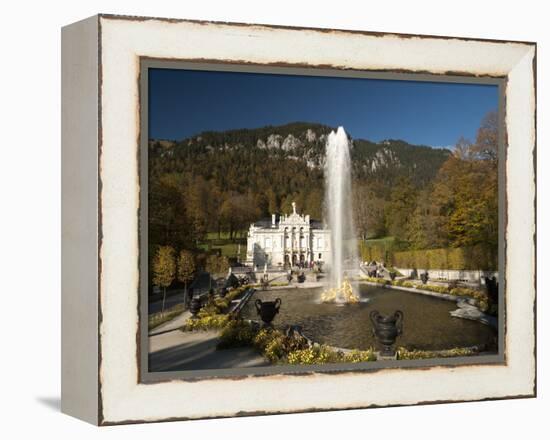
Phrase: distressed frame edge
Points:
(142, 18)
(532, 115)
(535, 204)
(80, 121)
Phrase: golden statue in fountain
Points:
(342, 294)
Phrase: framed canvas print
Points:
(274, 220)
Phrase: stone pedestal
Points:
(381, 357)
(312, 276)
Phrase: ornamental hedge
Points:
(471, 258)
(467, 258)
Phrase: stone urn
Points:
(386, 329)
(267, 310)
(424, 277)
(195, 306)
(491, 284)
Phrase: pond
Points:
(427, 324)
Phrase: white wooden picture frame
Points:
(102, 381)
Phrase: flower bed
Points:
(214, 316)
(322, 354)
(404, 354)
(279, 348)
(293, 349)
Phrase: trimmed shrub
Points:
(403, 283)
(377, 280)
(432, 288)
(356, 356)
(270, 343)
(483, 305)
(207, 322)
(213, 315)
(464, 291)
(321, 354)
(470, 258)
(264, 337)
(313, 355)
(275, 349)
(237, 333)
(159, 318)
(403, 353)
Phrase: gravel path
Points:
(173, 324)
(177, 350)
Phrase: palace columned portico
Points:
(287, 240)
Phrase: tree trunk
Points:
(163, 301)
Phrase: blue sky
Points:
(183, 103)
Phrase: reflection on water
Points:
(427, 324)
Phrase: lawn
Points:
(382, 241)
(159, 318)
(225, 235)
(229, 247)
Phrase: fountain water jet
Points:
(339, 215)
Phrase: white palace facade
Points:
(289, 239)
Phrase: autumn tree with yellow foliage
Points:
(164, 269)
